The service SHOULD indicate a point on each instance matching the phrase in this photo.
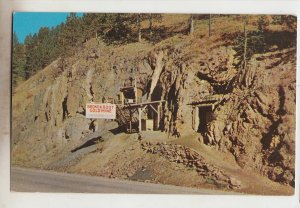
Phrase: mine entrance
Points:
(203, 112)
(205, 115)
(132, 102)
(202, 115)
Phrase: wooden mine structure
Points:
(132, 103)
(202, 112)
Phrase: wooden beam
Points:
(143, 108)
(139, 105)
(197, 122)
(122, 99)
(126, 88)
(153, 108)
(158, 115)
(140, 119)
(130, 122)
(193, 118)
(204, 105)
(135, 91)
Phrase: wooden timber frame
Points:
(155, 106)
(197, 106)
(131, 101)
(134, 89)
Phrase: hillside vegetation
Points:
(247, 62)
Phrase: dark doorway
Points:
(205, 116)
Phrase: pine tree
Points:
(31, 55)
(288, 20)
(250, 42)
(150, 25)
(43, 47)
(138, 19)
(262, 23)
(119, 28)
(194, 17)
(18, 61)
(245, 44)
(191, 24)
(92, 25)
(209, 25)
(153, 18)
(70, 35)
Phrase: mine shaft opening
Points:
(129, 95)
(203, 115)
(157, 93)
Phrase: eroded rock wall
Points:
(254, 119)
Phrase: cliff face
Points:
(253, 118)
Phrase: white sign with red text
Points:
(103, 110)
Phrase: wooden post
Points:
(130, 122)
(139, 28)
(136, 95)
(197, 122)
(158, 115)
(193, 118)
(135, 91)
(150, 26)
(140, 119)
(122, 99)
(209, 25)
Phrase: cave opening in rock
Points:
(157, 93)
(202, 116)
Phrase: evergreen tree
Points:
(137, 19)
(138, 23)
(251, 42)
(119, 28)
(69, 36)
(191, 24)
(31, 55)
(263, 23)
(209, 25)
(43, 47)
(194, 17)
(153, 17)
(288, 20)
(18, 61)
(92, 25)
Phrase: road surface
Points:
(31, 180)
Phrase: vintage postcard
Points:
(153, 103)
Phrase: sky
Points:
(25, 23)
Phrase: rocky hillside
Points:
(253, 122)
